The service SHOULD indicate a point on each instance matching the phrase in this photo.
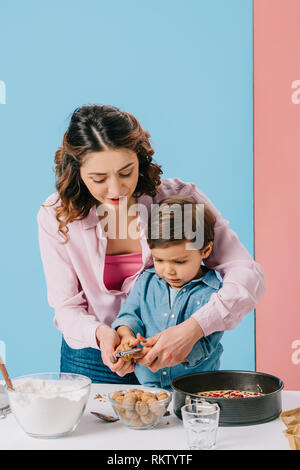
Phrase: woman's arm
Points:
(243, 286)
(64, 292)
(243, 278)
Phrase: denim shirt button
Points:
(172, 316)
(164, 372)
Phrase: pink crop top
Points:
(118, 267)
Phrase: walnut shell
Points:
(156, 407)
(125, 347)
(148, 418)
(141, 408)
(130, 397)
(162, 396)
(121, 411)
(119, 398)
(148, 395)
(117, 395)
(136, 420)
(138, 393)
(129, 414)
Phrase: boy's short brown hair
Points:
(163, 220)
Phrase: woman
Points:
(104, 169)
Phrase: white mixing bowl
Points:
(49, 405)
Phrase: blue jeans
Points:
(88, 362)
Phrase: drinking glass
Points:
(201, 422)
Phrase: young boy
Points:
(168, 294)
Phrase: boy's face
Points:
(177, 265)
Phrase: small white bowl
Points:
(49, 405)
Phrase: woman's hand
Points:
(120, 366)
(171, 346)
(108, 339)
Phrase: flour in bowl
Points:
(48, 407)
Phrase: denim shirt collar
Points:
(209, 278)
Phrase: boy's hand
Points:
(127, 342)
(145, 350)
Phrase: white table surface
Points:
(93, 434)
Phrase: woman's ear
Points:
(206, 251)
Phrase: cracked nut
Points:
(125, 347)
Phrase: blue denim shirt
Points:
(148, 311)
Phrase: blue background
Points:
(183, 68)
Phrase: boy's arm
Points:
(130, 312)
(124, 332)
(127, 337)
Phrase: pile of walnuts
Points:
(139, 408)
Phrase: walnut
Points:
(119, 398)
(156, 407)
(138, 393)
(129, 414)
(98, 396)
(136, 420)
(130, 397)
(129, 401)
(148, 395)
(125, 347)
(121, 411)
(117, 395)
(149, 418)
(162, 396)
(141, 408)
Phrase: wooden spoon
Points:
(5, 374)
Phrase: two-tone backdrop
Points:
(185, 69)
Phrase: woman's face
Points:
(111, 175)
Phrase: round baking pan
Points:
(233, 411)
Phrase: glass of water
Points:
(201, 422)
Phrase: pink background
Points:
(277, 185)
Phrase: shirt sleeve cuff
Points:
(196, 355)
(209, 318)
(90, 335)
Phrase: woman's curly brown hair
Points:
(94, 128)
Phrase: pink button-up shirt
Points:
(74, 271)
